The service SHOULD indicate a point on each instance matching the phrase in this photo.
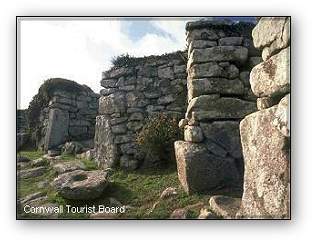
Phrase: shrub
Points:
(122, 60)
(158, 135)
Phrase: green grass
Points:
(138, 189)
(31, 154)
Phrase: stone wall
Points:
(22, 136)
(265, 134)
(220, 57)
(69, 115)
(130, 94)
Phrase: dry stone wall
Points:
(130, 94)
(22, 136)
(265, 134)
(220, 57)
(69, 116)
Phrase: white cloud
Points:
(81, 50)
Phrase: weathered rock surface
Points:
(224, 134)
(22, 159)
(237, 54)
(266, 102)
(127, 163)
(198, 87)
(179, 213)
(272, 77)
(38, 162)
(81, 185)
(201, 171)
(114, 103)
(212, 69)
(266, 153)
(72, 148)
(193, 134)
(211, 107)
(63, 167)
(225, 206)
(282, 116)
(206, 214)
(273, 33)
(106, 150)
(32, 172)
(57, 130)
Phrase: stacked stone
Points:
(220, 57)
(148, 85)
(265, 134)
(22, 136)
(70, 116)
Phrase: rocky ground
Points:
(147, 194)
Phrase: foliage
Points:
(122, 60)
(126, 60)
(158, 135)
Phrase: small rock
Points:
(39, 162)
(180, 213)
(206, 214)
(22, 159)
(168, 192)
(193, 134)
(31, 197)
(225, 206)
(64, 167)
(43, 184)
(33, 172)
(114, 202)
(182, 123)
(72, 147)
(53, 153)
(103, 215)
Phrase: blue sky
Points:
(81, 49)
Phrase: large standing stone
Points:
(266, 180)
(200, 171)
(106, 154)
(57, 130)
(208, 107)
(272, 77)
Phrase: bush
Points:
(122, 60)
(158, 135)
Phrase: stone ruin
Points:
(220, 58)
(215, 88)
(130, 94)
(68, 114)
(22, 136)
(265, 134)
